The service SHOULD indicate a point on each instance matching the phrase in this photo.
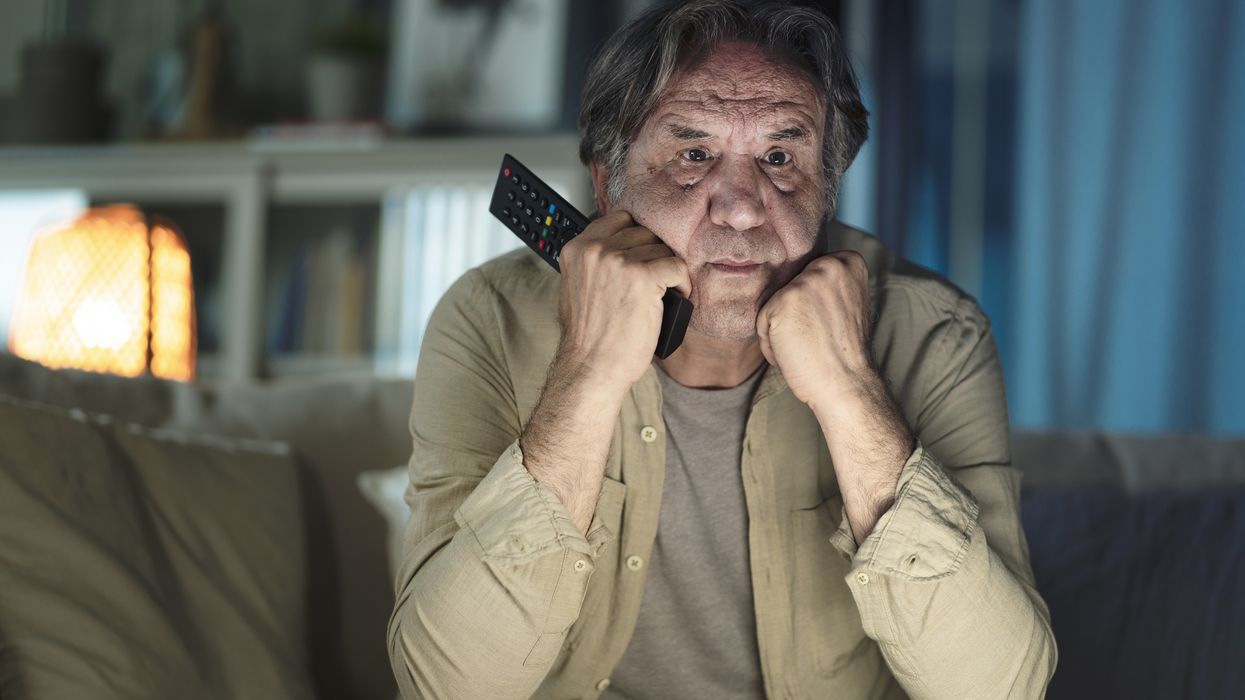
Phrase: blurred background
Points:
(1076, 166)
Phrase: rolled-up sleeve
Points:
(494, 570)
(943, 582)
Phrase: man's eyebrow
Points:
(791, 133)
(687, 133)
(683, 132)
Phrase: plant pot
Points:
(345, 87)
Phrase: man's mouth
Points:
(735, 267)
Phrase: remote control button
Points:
(552, 208)
(528, 211)
(505, 212)
(523, 228)
(514, 179)
(514, 220)
(544, 233)
(524, 187)
(548, 220)
(532, 194)
(541, 244)
(543, 202)
(510, 195)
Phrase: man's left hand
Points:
(816, 331)
(816, 328)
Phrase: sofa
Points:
(160, 538)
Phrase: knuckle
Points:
(836, 262)
(572, 247)
(614, 256)
(853, 260)
(595, 250)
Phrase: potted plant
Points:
(346, 73)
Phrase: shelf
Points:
(309, 365)
(251, 193)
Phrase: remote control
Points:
(545, 221)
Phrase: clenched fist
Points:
(816, 328)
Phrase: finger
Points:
(849, 256)
(767, 351)
(763, 335)
(609, 236)
(632, 236)
(853, 261)
(608, 224)
(672, 272)
(645, 253)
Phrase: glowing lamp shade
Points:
(108, 293)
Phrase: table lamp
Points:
(111, 292)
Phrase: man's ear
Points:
(600, 187)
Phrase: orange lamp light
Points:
(108, 293)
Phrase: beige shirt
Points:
(500, 596)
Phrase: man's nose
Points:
(735, 200)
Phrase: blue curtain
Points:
(1127, 289)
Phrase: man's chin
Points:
(739, 323)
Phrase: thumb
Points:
(763, 336)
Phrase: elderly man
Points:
(812, 497)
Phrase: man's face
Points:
(728, 172)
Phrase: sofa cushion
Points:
(142, 400)
(139, 563)
(1144, 590)
(337, 427)
(385, 489)
(1133, 462)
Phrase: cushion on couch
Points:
(141, 400)
(1138, 546)
(337, 427)
(385, 489)
(1132, 462)
(1144, 590)
(147, 564)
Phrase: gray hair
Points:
(627, 77)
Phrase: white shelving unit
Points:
(248, 179)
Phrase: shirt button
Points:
(603, 684)
(648, 433)
(580, 565)
(862, 577)
(634, 563)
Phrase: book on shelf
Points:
(320, 298)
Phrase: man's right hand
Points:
(614, 276)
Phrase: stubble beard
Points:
(732, 317)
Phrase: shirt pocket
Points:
(826, 625)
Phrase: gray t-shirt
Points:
(696, 634)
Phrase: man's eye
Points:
(696, 155)
(778, 158)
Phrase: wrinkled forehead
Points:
(743, 83)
